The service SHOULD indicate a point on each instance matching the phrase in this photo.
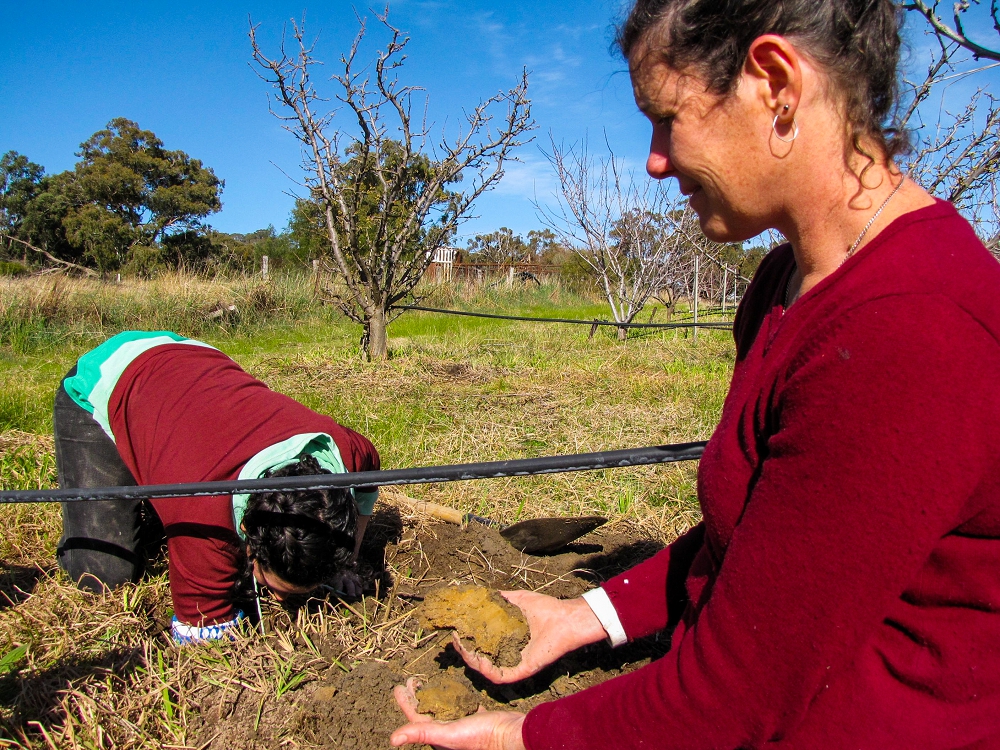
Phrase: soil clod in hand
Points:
(447, 696)
(495, 627)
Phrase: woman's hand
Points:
(557, 627)
(348, 582)
(485, 730)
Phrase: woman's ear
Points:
(774, 67)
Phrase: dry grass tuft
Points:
(15, 439)
(39, 311)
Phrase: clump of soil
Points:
(448, 695)
(494, 626)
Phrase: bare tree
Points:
(382, 182)
(636, 237)
(957, 153)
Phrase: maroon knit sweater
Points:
(843, 590)
(191, 414)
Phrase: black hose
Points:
(726, 325)
(422, 475)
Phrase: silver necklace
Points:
(857, 242)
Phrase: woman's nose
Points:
(658, 163)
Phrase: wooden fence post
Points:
(263, 266)
(696, 257)
(725, 288)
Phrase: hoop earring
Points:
(795, 130)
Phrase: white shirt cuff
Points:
(185, 634)
(600, 603)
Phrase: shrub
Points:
(12, 268)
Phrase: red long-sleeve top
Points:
(191, 414)
(843, 590)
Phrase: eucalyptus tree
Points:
(127, 191)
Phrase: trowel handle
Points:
(442, 512)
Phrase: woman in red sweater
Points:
(843, 590)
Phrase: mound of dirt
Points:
(493, 625)
(447, 696)
(411, 559)
(350, 710)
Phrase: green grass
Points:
(454, 390)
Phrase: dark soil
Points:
(355, 709)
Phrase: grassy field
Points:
(79, 670)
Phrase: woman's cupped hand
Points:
(557, 627)
(483, 730)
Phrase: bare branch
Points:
(957, 33)
(957, 154)
(50, 257)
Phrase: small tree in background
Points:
(501, 247)
(386, 194)
(636, 238)
(20, 182)
(307, 228)
(544, 247)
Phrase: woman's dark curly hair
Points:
(855, 41)
(302, 536)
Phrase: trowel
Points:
(536, 536)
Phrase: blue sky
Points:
(180, 69)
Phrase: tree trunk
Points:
(375, 336)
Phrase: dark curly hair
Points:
(856, 42)
(302, 536)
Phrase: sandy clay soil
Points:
(349, 704)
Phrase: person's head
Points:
(740, 78)
(298, 539)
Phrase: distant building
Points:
(444, 261)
